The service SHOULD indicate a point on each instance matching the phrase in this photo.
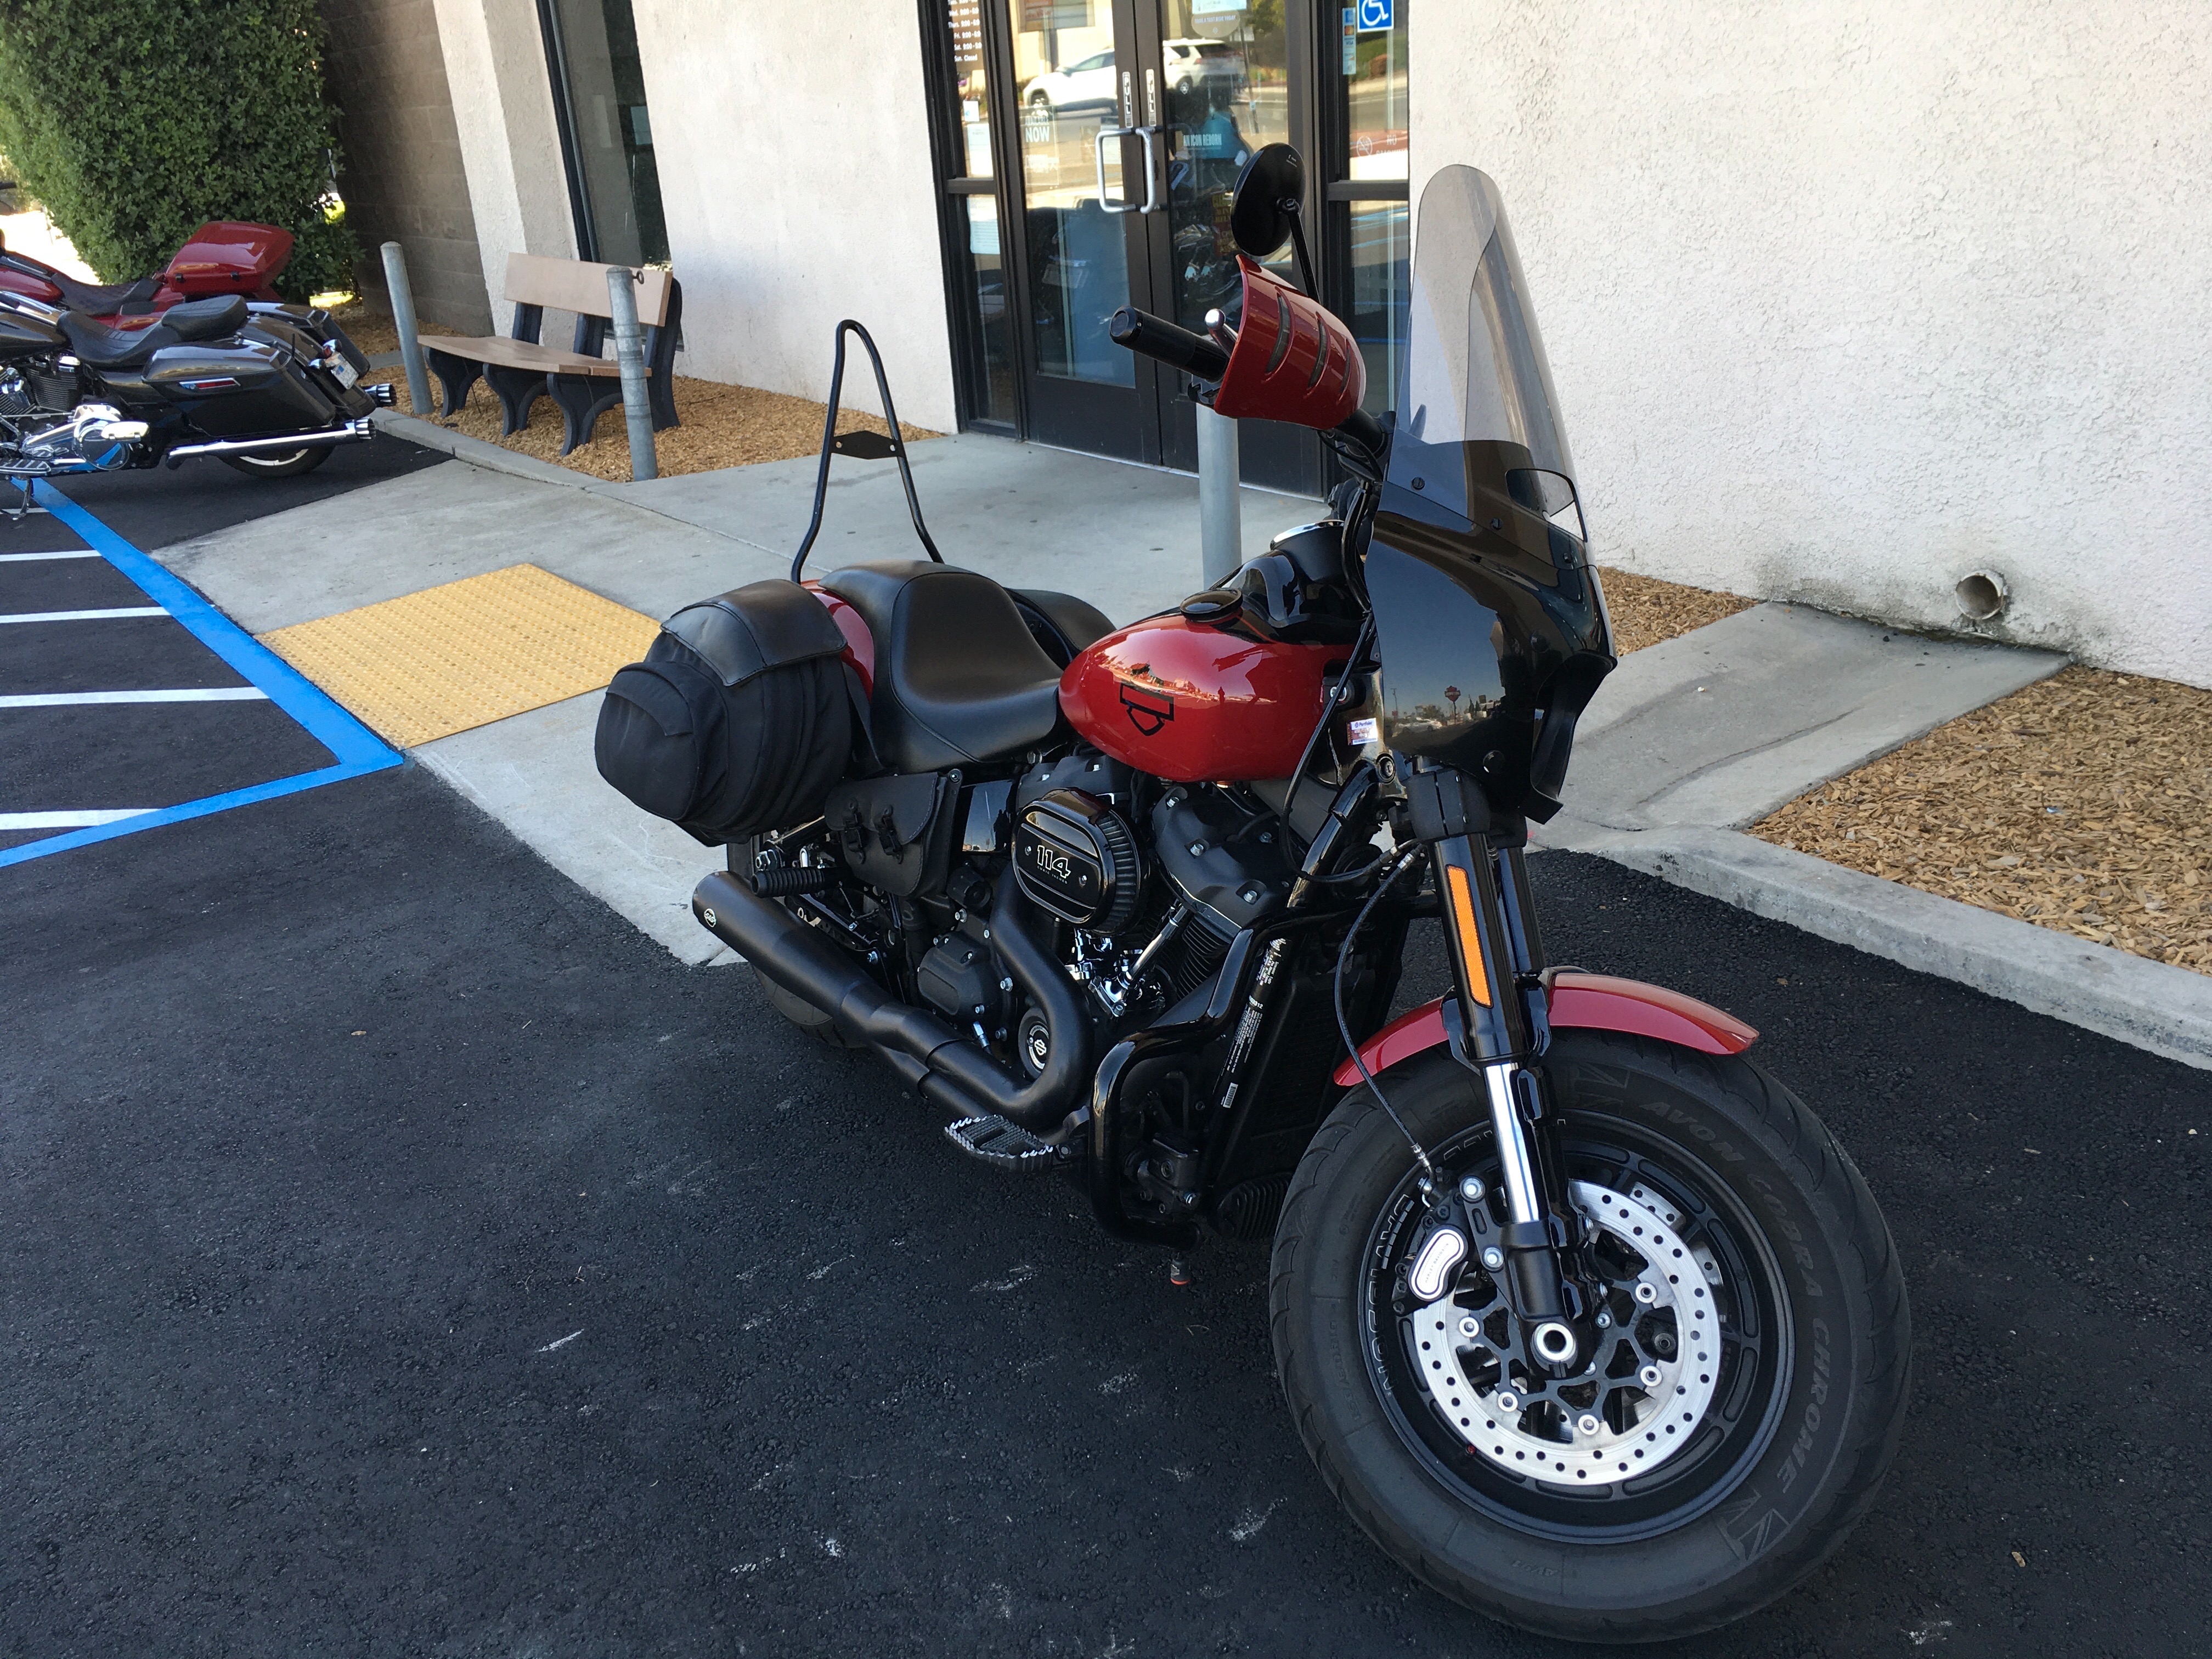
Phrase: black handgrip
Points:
(1155, 336)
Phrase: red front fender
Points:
(1590, 1002)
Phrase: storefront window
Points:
(1369, 217)
(971, 86)
(1078, 262)
(1228, 93)
(1381, 276)
(1374, 89)
(994, 394)
(606, 133)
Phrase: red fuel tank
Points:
(1193, 703)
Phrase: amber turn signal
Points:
(1470, 938)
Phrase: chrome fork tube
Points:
(1522, 1189)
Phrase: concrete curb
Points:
(2166, 1010)
(475, 451)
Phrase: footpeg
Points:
(1003, 1144)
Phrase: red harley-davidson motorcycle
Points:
(1584, 1317)
(224, 257)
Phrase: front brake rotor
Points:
(1645, 1386)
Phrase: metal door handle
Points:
(1143, 135)
(1098, 155)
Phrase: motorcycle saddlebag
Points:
(740, 719)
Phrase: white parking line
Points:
(67, 820)
(71, 553)
(85, 615)
(63, 699)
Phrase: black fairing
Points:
(1489, 620)
(1492, 637)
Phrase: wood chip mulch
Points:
(717, 425)
(1646, 610)
(2083, 804)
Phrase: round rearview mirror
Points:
(1270, 190)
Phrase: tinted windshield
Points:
(1474, 367)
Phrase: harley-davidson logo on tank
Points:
(1193, 703)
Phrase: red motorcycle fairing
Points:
(1590, 1002)
(1197, 704)
(1294, 361)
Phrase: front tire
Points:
(279, 463)
(1784, 1435)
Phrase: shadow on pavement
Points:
(402, 1254)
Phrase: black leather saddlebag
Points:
(896, 832)
(738, 720)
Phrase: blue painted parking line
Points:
(355, 749)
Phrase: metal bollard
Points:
(1220, 509)
(629, 354)
(402, 318)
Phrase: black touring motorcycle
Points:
(266, 387)
(1584, 1317)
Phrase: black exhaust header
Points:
(945, 1067)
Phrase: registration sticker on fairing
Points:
(1364, 732)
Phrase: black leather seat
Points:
(959, 679)
(128, 348)
(106, 299)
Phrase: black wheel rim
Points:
(1756, 1342)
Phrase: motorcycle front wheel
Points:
(279, 463)
(1744, 1379)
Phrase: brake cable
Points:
(1343, 1026)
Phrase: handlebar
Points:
(1178, 347)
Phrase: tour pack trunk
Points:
(228, 256)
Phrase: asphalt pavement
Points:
(122, 707)
(401, 1254)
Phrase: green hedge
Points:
(134, 121)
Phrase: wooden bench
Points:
(520, 370)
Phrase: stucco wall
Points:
(1844, 301)
(403, 180)
(503, 113)
(794, 152)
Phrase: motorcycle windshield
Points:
(1474, 367)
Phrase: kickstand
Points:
(24, 504)
(862, 446)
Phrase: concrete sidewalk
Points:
(1685, 743)
(1125, 538)
(1692, 739)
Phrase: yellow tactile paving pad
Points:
(429, 664)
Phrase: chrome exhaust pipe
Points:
(359, 431)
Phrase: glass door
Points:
(1087, 149)
(1078, 195)
(1229, 83)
